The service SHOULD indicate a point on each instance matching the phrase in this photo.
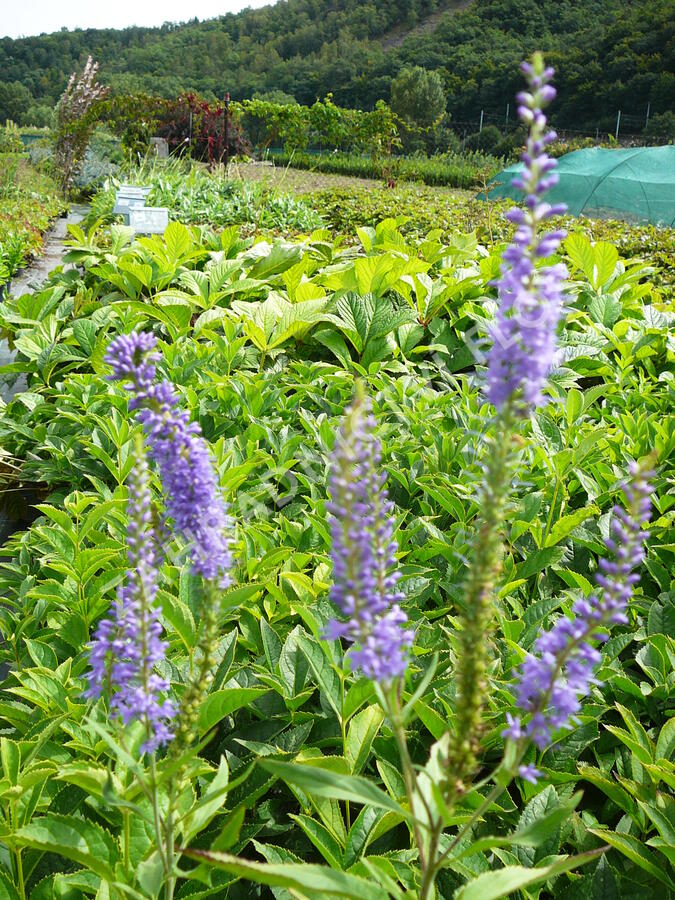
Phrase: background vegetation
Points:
(609, 54)
(29, 200)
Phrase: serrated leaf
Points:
(312, 881)
(566, 524)
(322, 839)
(333, 785)
(84, 842)
(360, 736)
(221, 704)
(324, 673)
(636, 851)
(502, 882)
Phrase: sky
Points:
(29, 17)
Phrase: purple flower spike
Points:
(531, 297)
(552, 681)
(363, 551)
(127, 647)
(193, 497)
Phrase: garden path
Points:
(31, 279)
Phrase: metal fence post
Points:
(480, 127)
(227, 128)
(618, 121)
(647, 116)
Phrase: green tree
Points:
(417, 96)
(15, 99)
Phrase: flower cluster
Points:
(552, 681)
(193, 498)
(363, 551)
(531, 298)
(127, 646)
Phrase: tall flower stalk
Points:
(127, 646)
(363, 551)
(554, 678)
(522, 354)
(194, 500)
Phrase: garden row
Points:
(29, 201)
(263, 338)
(459, 170)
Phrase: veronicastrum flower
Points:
(559, 673)
(193, 497)
(127, 647)
(524, 333)
(363, 551)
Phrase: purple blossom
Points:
(552, 681)
(127, 647)
(193, 497)
(363, 551)
(531, 296)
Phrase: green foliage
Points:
(610, 54)
(460, 170)
(10, 139)
(264, 339)
(195, 195)
(29, 200)
(418, 96)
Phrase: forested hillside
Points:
(609, 55)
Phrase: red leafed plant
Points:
(208, 130)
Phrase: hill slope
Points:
(610, 54)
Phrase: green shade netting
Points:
(637, 184)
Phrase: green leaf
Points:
(322, 839)
(665, 744)
(606, 258)
(502, 882)
(11, 760)
(323, 783)
(7, 889)
(323, 671)
(84, 842)
(178, 240)
(636, 851)
(209, 804)
(605, 309)
(536, 832)
(150, 874)
(362, 730)
(221, 704)
(637, 731)
(312, 881)
(566, 524)
(180, 618)
(538, 561)
(580, 252)
(574, 405)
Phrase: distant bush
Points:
(662, 126)
(10, 139)
(486, 140)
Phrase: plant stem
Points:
(127, 838)
(393, 709)
(478, 611)
(159, 837)
(19, 875)
(170, 857)
(17, 853)
(343, 728)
